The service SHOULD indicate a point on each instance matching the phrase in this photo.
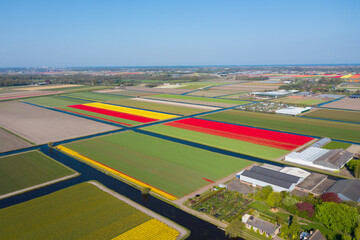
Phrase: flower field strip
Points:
(204, 99)
(347, 76)
(55, 101)
(114, 113)
(313, 127)
(25, 95)
(133, 111)
(228, 144)
(82, 211)
(87, 115)
(25, 170)
(355, 76)
(116, 172)
(172, 167)
(95, 96)
(258, 136)
(150, 230)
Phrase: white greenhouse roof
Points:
(292, 110)
(309, 155)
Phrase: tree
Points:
(306, 207)
(357, 232)
(346, 237)
(294, 228)
(290, 201)
(263, 193)
(330, 197)
(234, 228)
(274, 199)
(337, 216)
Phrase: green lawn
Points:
(172, 167)
(94, 96)
(314, 127)
(219, 142)
(55, 101)
(82, 211)
(25, 170)
(350, 116)
(158, 107)
(336, 145)
(204, 99)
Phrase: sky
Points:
(81, 33)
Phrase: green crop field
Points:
(159, 107)
(204, 99)
(82, 211)
(197, 85)
(25, 170)
(229, 144)
(306, 101)
(94, 96)
(350, 116)
(336, 145)
(172, 167)
(314, 127)
(55, 101)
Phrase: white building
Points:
(292, 111)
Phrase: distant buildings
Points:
(332, 160)
(347, 190)
(260, 225)
(275, 94)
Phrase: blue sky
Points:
(178, 32)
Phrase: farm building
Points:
(275, 94)
(347, 190)
(322, 142)
(298, 172)
(292, 111)
(332, 160)
(260, 176)
(263, 226)
(354, 96)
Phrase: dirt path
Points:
(183, 231)
(39, 185)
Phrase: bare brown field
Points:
(214, 104)
(213, 93)
(345, 103)
(126, 93)
(25, 94)
(159, 90)
(40, 125)
(11, 142)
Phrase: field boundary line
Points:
(182, 231)
(115, 172)
(6, 130)
(40, 185)
(334, 120)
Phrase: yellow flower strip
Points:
(152, 229)
(115, 172)
(347, 76)
(138, 112)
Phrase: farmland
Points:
(313, 127)
(245, 140)
(345, 103)
(55, 101)
(212, 93)
(11, 142)
(21, 171)
(158, 106)
(95, 96)
(311, 101)
(89, 213)
(199, 100)
(26, 94)
(350, 116)
(39, 125)
(201, 85)
(125, 115)
(174, 168)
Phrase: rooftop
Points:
(348, 188)
(261, 224)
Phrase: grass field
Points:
(172, 167)
(336, 145)
(350, 116)
(94, 96)
(201, 85)
(55, 101)
(158, 107)
(306, 100)
(82, 211)
(314, 127)
(25, 170)
(204, 99)
(225, 143)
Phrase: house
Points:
(261, 176)
(263, 226)
(313, 235)
(347, 190)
